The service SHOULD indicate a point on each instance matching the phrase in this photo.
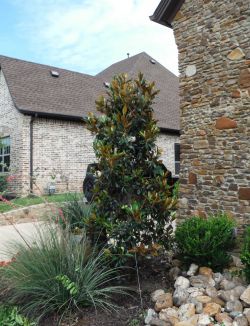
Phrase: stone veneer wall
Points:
(214, 60)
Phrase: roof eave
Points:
(166, 12)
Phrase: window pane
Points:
(177, 152)
(1, 164)
(177, 168)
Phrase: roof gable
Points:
(166, 11)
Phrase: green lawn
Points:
(28, 201)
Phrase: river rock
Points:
(227, 285)
(212, 309)
(206, 271)
(240, 321)
(201, 281)
(218, 277)
(204, 319)
(156, 294)
(246, 296)
(169, 315)
(180, 297)
(223, 317)
(182, 282)
(211, 291)
(218, 301)
(246, 312)
(203, 299)
(174, 272)
(233, 306)
(158, 322)
(192, 270)
(186, 311)
(164, 301)
(150, 314)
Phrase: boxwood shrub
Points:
(206, 241)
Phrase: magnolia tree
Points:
(132, 202)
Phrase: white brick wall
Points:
(60, 148)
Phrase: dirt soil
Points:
(131, 312)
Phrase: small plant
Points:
(3, 183)
(10, 316)
(57, 275)
(206, 241)
(245, 254)
(75, 212)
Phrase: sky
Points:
(84, 35)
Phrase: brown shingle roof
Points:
(72, 95)
(167, 101)
(34, 90)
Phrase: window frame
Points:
(177, 158)
(4, 152)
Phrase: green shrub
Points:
(245, 254)
(75, 212)
(57, 275)
(10, 316)
(3, 183)
(206, 241)
(132, 201)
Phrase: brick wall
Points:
(214, 63)
(15, 125)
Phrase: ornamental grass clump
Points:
(132, 199)
(56, 274)
(206, 241)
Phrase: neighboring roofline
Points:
(166, 11)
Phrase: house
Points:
(41, 120)
(214, 65)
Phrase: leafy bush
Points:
(10, 316)
(245, 254)
(206, 241)
(57, 274)
(3, 183)
(75, 211)
(132, 199)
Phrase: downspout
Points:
(31, 153)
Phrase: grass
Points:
(57, 275)
(29, 201)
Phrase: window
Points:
(177, 158)
(4, 154)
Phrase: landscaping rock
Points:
(212, 309)
(227, 285)
(156, 294)
(174, 272)
(150, 315)
(223, 317)
(203, 299)
(198, 307)
(169, 315)
(201, 281)
(237, 291)
(226, 295)
(186, 311)
(195, 294)
(206, 271)
(236, 261)
(246, 312)
(164, 301)
(233, 306)
(182, 282)
(184, 323)
(158, 322)
(180, 297)
(192, 270)
(218, 277)
(204, 319)
(218, 301)
(211, 291)
(246, 296)
(240, 321)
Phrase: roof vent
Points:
(54, 73)
(106, 84)
(152, 61)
